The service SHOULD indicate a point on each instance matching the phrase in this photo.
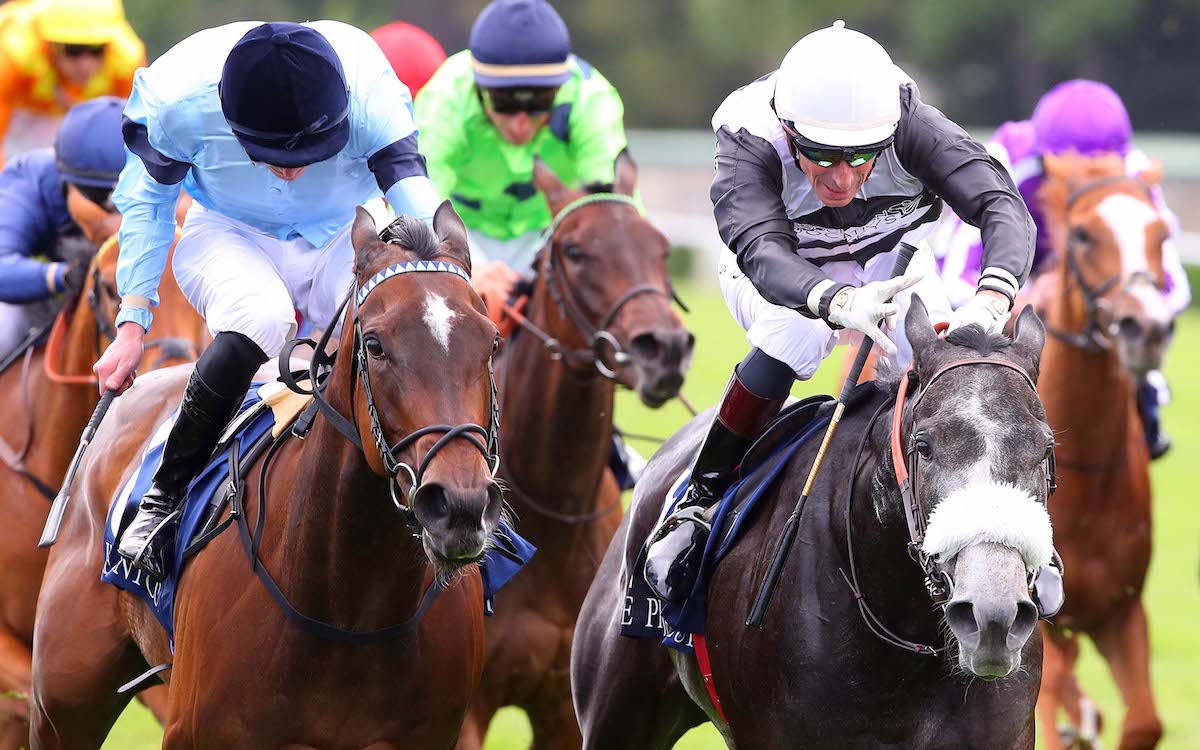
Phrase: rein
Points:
(1096, 336)
(905, 459)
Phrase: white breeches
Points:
(242, 280)
(803, 343)
(16, 322)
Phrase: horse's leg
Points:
(554, 725)
(155, 699)
(16, 672)
(1083, 713)
(1056, 669)
(14, 733)
(1124, 642)
(82, 652)
(475, 724)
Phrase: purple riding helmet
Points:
(1081, 115)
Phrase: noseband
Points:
(905, 463)
(486, 441)
(602, 344)
(1095, 336)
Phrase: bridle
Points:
(602, 344)
(1096, 335)
(485, 440)
(906, 458)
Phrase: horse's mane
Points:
(414, 234)
(974, 337)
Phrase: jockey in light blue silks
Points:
(1088, 118)
(87, 157)
(277, 131)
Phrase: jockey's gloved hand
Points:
(988, 310)
(867, 308)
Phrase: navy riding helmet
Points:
(88, 149)
(520, 43)
(284, 95)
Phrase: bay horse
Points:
(1108, 323)
(381, 640)
(599, 315)
(49, 395)
(852, 653)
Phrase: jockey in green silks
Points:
(516, 94)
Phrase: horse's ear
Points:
(364, 238)
(919, 330)
(452, 234)
(1029, 336)
(625, 174)
(557, 194)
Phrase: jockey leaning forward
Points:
(55, 53)
(277, 131)
(822, 168)
(1087, 118)
(517, 93)
(41, 193)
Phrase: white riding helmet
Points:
(838, 87)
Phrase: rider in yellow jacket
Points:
(54, 54)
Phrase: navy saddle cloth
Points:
(509, 553)
(646, 616)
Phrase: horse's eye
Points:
(573, 252)
(1080, 236)
(374, 347)
(921, 443)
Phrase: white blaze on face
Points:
(440, 319)
(1128, 218)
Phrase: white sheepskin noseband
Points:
(991, 512)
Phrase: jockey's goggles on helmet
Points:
(80, 50)
(101, 196)
(827, 156)
(532, 101)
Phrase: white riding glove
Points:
(987, 311)
(868, 307)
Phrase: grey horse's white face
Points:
(982, 441)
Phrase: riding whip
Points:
(59, 507)
(788, 536)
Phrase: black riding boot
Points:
(676, 548)
(214, 392)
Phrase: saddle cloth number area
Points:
(508, 554)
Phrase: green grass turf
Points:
(1172, 595)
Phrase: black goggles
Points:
(101, 196)
(80, 50)
(828, 156)
(511, 101)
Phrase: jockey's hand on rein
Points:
(117, 367)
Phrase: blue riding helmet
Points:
(284, 95)
(89, 150)
(520, 43)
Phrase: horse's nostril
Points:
(1129, 327)
(646, 346)
(431, 505)
(1025, 622)
(960, 616)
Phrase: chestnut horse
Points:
(49, 395)
(360, 650)
(1108, 323)
(854, 652)
(600, 315)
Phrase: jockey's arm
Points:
(959, 169)
(26, 229)
(752, 219)
(597, 131)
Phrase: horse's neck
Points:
(1089, 395)
(558, 425)
(343, 548)
(63, 408)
